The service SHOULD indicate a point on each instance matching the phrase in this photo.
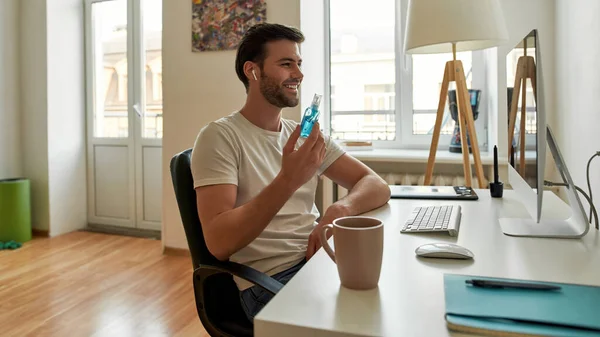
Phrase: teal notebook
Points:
(572, 311)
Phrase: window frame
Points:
(404, 137)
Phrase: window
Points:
(379, 97)
(427, 76)
(376, 93)
(110, 60)
(362, 70)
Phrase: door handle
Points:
(136, 108)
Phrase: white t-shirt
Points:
(232, 150)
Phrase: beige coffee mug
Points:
(358, 252)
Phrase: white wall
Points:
(10, 140)
(34, 107)
(197, 89)
(52, 107)
(578, 91)
(66, 116)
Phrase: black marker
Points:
(496, 179)
(496, 187)
(510, 285)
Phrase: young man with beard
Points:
(255, 181)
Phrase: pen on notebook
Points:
(513, 285)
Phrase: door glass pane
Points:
(109, 38)
(363, 75)
(152, 72)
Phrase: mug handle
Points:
(323, 237)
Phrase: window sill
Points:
(421, 156)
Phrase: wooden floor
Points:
(90, 284)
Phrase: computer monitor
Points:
(532, 135)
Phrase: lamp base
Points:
(455, 143)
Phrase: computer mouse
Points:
(444, 251)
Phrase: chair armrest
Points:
(247, 273)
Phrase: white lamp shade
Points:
(433, 25)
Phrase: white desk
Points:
(410, 298)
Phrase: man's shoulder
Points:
(222, 126)
(218, 133)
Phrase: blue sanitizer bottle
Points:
(311, 116)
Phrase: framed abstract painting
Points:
(220, 24)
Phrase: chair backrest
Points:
(183, 183)
(217, 299)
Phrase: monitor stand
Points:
(566, 229)
(572, 228)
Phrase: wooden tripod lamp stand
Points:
(444, 26)
(525, 70)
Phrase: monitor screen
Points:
(522, 107)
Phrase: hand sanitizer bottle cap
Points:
(316, 101)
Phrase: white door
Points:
(124, 110)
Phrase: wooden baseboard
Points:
(116, 230)
(40, 233)
(176, 251)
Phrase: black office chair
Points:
(217, 296)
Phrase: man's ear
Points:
(250, 70)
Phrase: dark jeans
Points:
(255, 298)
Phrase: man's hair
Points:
(253, 44)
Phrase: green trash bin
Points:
(15, 210)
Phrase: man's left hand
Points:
(314, 242)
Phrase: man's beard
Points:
(275, 94)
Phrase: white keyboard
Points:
(444, 218)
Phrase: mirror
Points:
(522, 107)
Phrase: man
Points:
(255, 180)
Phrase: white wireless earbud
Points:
(254, 74)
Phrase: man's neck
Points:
(262, 113)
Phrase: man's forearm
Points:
(232, 230)
(368, 193)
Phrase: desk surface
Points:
(409, 300)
